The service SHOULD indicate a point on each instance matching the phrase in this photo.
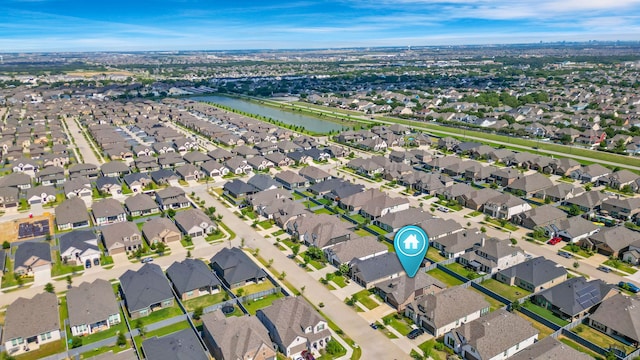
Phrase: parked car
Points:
(374, 326)
(87, 264)
(146, 260)
(604, 269)
(554, 241)
(443, 209)
(415, 333)
(96, 261)
(307, 355)
(565, 254)
(629, 286)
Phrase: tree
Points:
(483, 229)
(49, 288)
(188, 253)
(515, 305)
(269, 263)
(69, 280)
(122, 340)
(6, 245)
(282, 276)
(574, 210)
(171, 213)
(197, 313)
(76, 342)
(588, 186)
(576, 264)
(240, 292)
(344, 269)
(160, 248)
(140, 326)
(295, 249)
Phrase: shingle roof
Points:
(140, 202)
(378, 267)
(30, 317)
(78, 239)
(106, 208)
(237, 336)
(357, 248)
(437, 307)
(576, 294)
(26, 250)
(191, 274)
(550, 349)
(91, 302)
(291, 316)
(620, 313)
(145, 287)
(181, 345)
(536, 271)
(71, 211)
(237, 266)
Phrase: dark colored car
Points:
(565, 254)
(629, 286)
(87, 264)
(415, 333)
(374, 326)
(307, 355)
(604, 269)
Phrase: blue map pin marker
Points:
(411, 244)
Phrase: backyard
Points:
(324, 210)
(162, 332)
(600, 339)
(159, 315)
(205, 301)
(254, 305)
(461, 270)
(253, 288)
(543, 330)
(545, 313)
(510, 292)
(444, 277)
(493, 303)
(434, 254)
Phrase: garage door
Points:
(35, 201)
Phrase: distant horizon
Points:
(183, 25)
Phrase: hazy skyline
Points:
(72, 25)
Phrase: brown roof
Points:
(91, 302)
(31, 317)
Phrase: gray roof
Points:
(589, 199)
(153, 227)
(617, 238)
(3, 257)
(411, 216)
(187, 219)
(191, 274)
(357, 248)
(460, 241)
(263, 182)
(140, 202)
(576, 294)
(550, 349)
(542, 215)
(535, 271)
(106, 208)
(236, 266)
(401, 288)
(136, 177)
(114, 167)
(145, 287)
(496, 332)
(181, 345)
(291, 316)
(39, 190)
(30, 317)
(620, 313)
(26, 250)
(437, 227)
(378, 267)
(576, 226)
(15, 179)
(91, 302)
(531, 183)
(78, 239)
(437, 307)
(236, 336)
(289, 177)
(117, 232)
(71, 211)
(314, 173)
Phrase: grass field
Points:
(434, 254)
(324, 211)
(398, 322)
(255, 305)
(545, 313)
(159, 315)
(444, 277)
(510, 292)
(543, 330)
(599, 338)
(493, 303)
(364, 299)
(254, 288)
(204, 301)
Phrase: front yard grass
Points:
(339, 280)
(510, 292)
(266, 224)
(58, 268)
(204, 301)
(254, 288)
(364, 299)
(473, 214)
(398, 322)
(577, 250)
(429, 346)
(545, 313)
(216, 235)
(619, 265)
(254, 305)
(278, 233)
(444, 277)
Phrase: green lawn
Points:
(159, 315)
(58, 268)
(254, 288)
(507, 225)
(386, 331)
(232, 234)
(434, 254)
(428, 346)
(317, 264)
(324, 211)
(105, 349)
(444, 277)
(8, 280)
(545, 313)
(290, 243)
(340, 351)
(162, 331)
(359, 218)
(364, 299)
(461, 270)
(324, 201)
(255, 305)
(473, 214)
(579, 347)
(543, 330)
(112, 331)
(216, 235)
(204, 301)
(600, 339)
(249, 213)
(45, 350)
(398, 322)
(266, 224)
(493, 303)
(377, 229)
(362, 232)
(389, 246)
(236, 312)
(617, 264)
(278, 233)
(297, 196)
(577, 250)
(339, 280)
(510, 292)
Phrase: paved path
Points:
(85, 148)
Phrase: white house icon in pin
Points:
(411, 242)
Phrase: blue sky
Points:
(74, 25)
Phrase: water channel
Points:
(310, 123)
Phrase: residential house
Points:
(321, 230)
(263, 182)
(220, 154)
(194, 222)
(9, 197)
(492, 255)
(460, 242)
(611, 241)
(435, 313)
(295, 326)
(528, 186)
(121, 237)
(393, 221)
(618, 317)
(437, 228)
(550, 348)
(90, 171)
(625, 209)
(72, 214)
(79, 247)
(196, 157)
(164, 177)
(620, 179)
(505, 206)
(587, 202)
(108, 211)
(146, 164)
(475, 200)
(496, 336)
(260, 163)
(403, 290)
(141, 205)
(31, 323)
(213, 168)
(40, 195)
(290, 180)
(562, 167)
(590, 173)
(32, 258)
(114, 169)
(314, 174)
(574, 298)
(16, 180)
(161, 230)
(369, 272)
(51, 176)
(236, 337)
(573, 229)
(238, 165)
(92, 308)
(542, 216)
(109, 185)
(238, 189)
(137, 181)
(145, 290)
(505, 176)
(192, 278)
(183, 344)
(361, 248)
(561, 192)
(533, 275)
(172, 198)
(235, 268)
